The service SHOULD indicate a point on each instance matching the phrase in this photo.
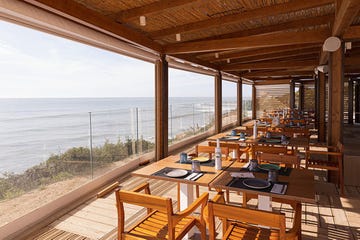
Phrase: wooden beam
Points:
(241, 17)
(161, 108)
(292, 95)
(344, 17)
(150, 8)
(299, 23)
(218, 103)
(276, 73)
(271, 65)
(313, 52)
(352, 33)
(268, 40)
(254, 52)
(83, 15)
(272, 82)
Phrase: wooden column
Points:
(357, 102)
(336, 97)
(292, 94)
(253, 101)
(239, 103)
(316, 81)
(161, 108)
(350, 101)
(321, 106)
(301, 97)
(218, 103)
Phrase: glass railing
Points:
(246, 109)
(229, 110)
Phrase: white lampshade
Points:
(178, 37)
(323, 68)
(142, 21)
(331, 44)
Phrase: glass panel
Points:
(191, 104)
(229, 103)
(247, 102)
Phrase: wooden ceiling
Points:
(253, 39)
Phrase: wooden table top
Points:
(209, 172)
(299, 141)
(301, 186)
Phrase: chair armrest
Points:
(202, 200)
(144, 186)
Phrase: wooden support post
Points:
(321, 106)
(253, 101)
(350, 101)
(357, 102)
(239, 103)
(316, 80)
(161, 108)
(218, 103)
(301, 97)
(336, 97)
(292, 94)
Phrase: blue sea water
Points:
(33, 129)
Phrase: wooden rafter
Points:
(268, 40)
(276, 73)
(274, 56)
(299, 23)
(80, 13)
(352, 33)
(255, 52)
(150, 9)
(240, 17)
(270, 65)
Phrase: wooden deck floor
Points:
(332, 217)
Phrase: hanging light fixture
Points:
(228, 60)
(178, 37)
(142, 21)
(216, 55)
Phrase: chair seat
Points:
(244, 231)
(154, 226)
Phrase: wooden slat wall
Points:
(270, 97)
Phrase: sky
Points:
(35, 64)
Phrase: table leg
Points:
(186, 198)
(264, 203)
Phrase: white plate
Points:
(177, 173)
(256, 183)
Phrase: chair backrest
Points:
(161, 204)
(297, 131)
(231, 146)
(258, 149)
(246, 215)
(210, 150)
(289, 160)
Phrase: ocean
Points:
(33, 129)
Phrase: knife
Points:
(196, 177)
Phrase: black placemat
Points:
(238, 183)
(165, 170)
(229, 138)
(210, 163)
(283, 171)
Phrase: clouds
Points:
(36, 64)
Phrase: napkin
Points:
(279, 188)
(242, 174)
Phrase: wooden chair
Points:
(331, 160)
(292, 161)
(245, 223)
(233, 147)
(210, 150)
(160, 222)
(255, 150)
(294, 233)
